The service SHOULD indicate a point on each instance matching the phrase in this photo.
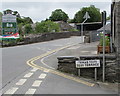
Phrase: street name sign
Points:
(87, 63)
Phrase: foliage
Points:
(28, 28)
(59, 15)
(25, 20)
(94, 13)
(46, 26)
(73, 29)
(0, 18)
(107, 40)
(16, 13)
(108, 18)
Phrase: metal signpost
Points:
(86, 16)
(88, 64)
(104, 21)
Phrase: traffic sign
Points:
(9, 24)
(86, 16)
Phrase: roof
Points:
(89, 23)
(107, 27)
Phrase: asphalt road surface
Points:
(24, 72)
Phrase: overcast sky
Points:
(41, 10)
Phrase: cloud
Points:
(57, 0)
(41, 10)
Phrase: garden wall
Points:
(67, 64)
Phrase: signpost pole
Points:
(95, 74)
(86, 16)
(104, 17)
(79, 72)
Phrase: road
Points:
(24, 71)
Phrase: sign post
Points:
(86, 16)
(88, 64)
(104, 21)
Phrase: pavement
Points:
(78, 50)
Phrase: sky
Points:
(39, 10)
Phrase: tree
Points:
(59, 15)
(16, 13)
(109, 17)
(0, 17)
(28, 28)
(24, 20)
(0, 22)
(94, 13)
(46, 26)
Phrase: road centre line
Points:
(34, 69)
(21, 81)
(11, 90)
(37, 83)
(42, 76)
(30, 91)
(28, 75)
(32, 64)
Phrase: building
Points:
(115, 29)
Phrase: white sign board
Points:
(86, 16)
(8, 18)
(87, 63)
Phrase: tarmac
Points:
(82, 49)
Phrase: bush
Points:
(107, 40)
(47, 26)
(28, 29)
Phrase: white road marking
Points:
(45, 63)
(46, 70)
(37, 83)
(28, 75)
(30, 91)
(94, 52)
(85, 51)
(21, 81)
(34, 69)
(75, 47)
(42, 76)
(57, 45)
(11, 90)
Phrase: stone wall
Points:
(49, 36)
(67, 64)
(34, 38)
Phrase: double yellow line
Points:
(32, 64)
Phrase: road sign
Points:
(87, 63)
(9, 24)
(9, 18)
(86, 16)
